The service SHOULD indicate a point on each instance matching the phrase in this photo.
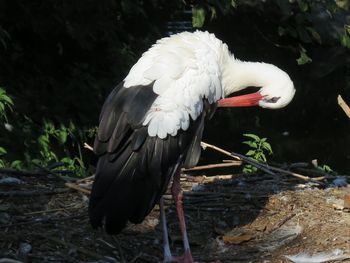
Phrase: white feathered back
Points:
(185, 69)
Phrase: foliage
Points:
(304, 58)
(198, 17)
(66, 138)
(259, 148)
(326, 168)
(5, 103)
(46, 155)
(345, 37)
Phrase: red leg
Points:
(166, 248)
(177, 195)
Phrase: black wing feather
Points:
(134, 169)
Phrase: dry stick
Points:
(239, 157)
(316, 172)
(263, 167)
(211, 166)
(252, 162)
(281, 223)
(344, 106)
(78, 188)
(205, 145)
(256, 164)
(87, 146)
(85, 179)
(49, 210)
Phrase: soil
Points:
(234, 218)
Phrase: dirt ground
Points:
(235, 218)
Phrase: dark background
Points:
(60, 59)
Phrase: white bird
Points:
(151, 124)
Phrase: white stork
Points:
(151, 124)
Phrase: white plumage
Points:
(185, 69)
(189, 67)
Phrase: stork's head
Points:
(276, 88)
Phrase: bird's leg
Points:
(166, 247)
(177, 195)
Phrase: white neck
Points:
(237, 75)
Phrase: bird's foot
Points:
(185, 258)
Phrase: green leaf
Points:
(17, 164)
(345, 40)
(251, 144)
(347, 28)
(6, 99)
(198, 16)
(2, 151)
(43, 141)
(250, 153)
(257, 156)
(2, 107)
(304, 58)
(253, 136)
(249, 169)
(267, 146)
(67, 160)
(62, 136)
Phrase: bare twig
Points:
(316, 172)
(262, 167)
(86, 179)
(78, 188)
(49, 211)
(266, 168)
(282, 222)
(276, 169)
(211, 166)
(87, 146)
(344, 106)
(205, 145)
(256, 164)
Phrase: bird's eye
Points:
(272, 100)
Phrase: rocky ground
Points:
(231, 218)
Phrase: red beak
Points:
(247, 100)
